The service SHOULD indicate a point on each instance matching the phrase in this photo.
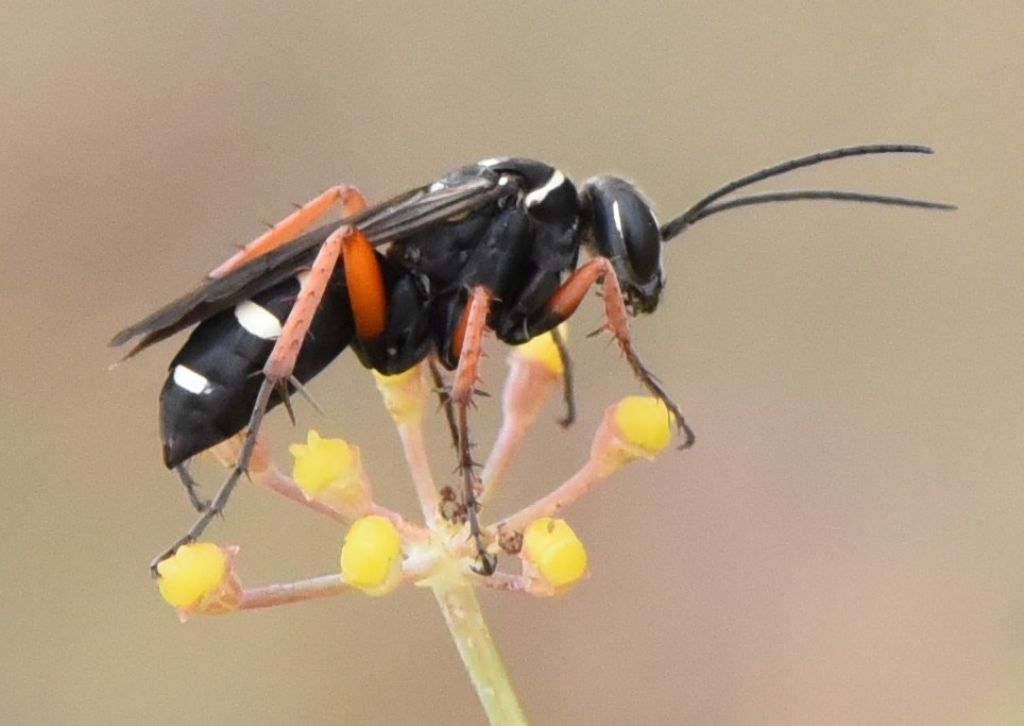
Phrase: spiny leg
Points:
(568, 392)
(191, 488)
(277, 371)
(293, 225)
(224, 493)
(564, 303)
(468, 348)
(368, 299)
(618, 322)
(444, 398)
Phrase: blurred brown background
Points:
(842, 546)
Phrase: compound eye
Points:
(625, 231)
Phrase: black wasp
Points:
(492, 245)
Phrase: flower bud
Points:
(404, 394)
(543, 350)
(329, 470)
(371, 556)
(645, 423)
(634, 428)
(553, 551)
(199, 578)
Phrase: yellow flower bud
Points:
(403, 394)
(554, 551)
(637, 427)
(196, 572)
(330, 471)
(645, 422)
(544, 350)
(320, 462)
(371, 556)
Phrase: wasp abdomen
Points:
(214, 380)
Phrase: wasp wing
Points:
(402, 215)
(411, 212)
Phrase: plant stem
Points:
(553, 502)
(289, 592)
(480, 657)
(411, 433)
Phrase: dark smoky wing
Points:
(405, 214)
(416, 210)
(220, 293)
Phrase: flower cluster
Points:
(382, 549)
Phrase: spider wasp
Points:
(494, 245)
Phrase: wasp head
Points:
(619, 225)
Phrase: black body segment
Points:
(214, 379)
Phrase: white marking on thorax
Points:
(617, 217)
(491, 162)
(537, 195)
(257, 320)
(191, 381)
(302, 277)
(436, 186)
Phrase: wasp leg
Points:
(568, 297)
(444, 398)
(224, 493)
(191, 488)
(468, 347)
(277, 371)
(568, 391)
(293, 225)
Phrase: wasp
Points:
(495, 246)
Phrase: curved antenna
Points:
(706, 206)
(800, 194)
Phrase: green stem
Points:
(469, 631)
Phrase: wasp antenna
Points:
(817, 194)
(694, 213)
(130, 354)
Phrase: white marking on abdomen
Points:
(191, 381)
(257, 320)
(537, 195)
